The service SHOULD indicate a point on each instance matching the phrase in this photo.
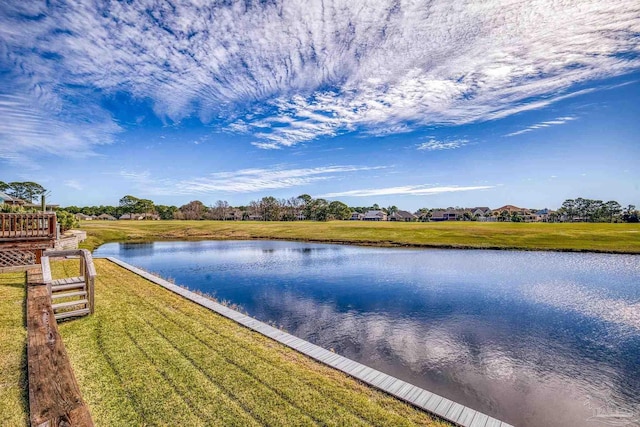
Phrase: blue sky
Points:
(417, 104)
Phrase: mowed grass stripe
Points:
(240, 384)
(188, 380)
(274, 370)
(176, 368)
(230, 375)
(152, 395)
(269, 376)
(13, 341)
(119, 319)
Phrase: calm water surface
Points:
(532, 338)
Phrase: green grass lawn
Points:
(614, 238)
(13, 347)
(150, 356)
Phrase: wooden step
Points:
(75, 285)
(69, 304)
(67, 280)
(74, 313)
(69, 294)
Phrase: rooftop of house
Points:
(10, 199)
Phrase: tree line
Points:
(589, 210)
(27, 191)
(305, 207)
(266, 209)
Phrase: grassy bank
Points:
(613, 238)
(148, 356)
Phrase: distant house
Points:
(106, 217)
(9, 200)
(482, 213)
(234, 215)
(437, 215)
(356, 216)
(402, 216)
(82, 217)
(449, 214)
(543, 215)
(374, 216)
(512, 209)
(424, 215)
(150, 216)
(130, 217)
(49, 206)
(526, 214)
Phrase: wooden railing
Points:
(27, 226)
(83, 285)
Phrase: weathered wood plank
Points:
(15, 269)
(492, 422)
(480, 420)
(54, 395)
(46, 269)
(73, 313)
(426, 400)
(433, 403)
(77, 285)
(454, 411)
(69, 304)
(65, 281)
(466, 417)
(59, 295)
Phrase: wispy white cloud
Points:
(435, 145)
(542, 125)
(241, 181)
(72, 183)
(30, 128)
(409, 190)
(255, 180)
(290, 72)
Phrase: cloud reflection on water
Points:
(524, 336)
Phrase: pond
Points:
(532, 338)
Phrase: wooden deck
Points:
(23, 238)
(54, 395)
(31, 226)
(442, 407)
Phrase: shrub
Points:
(67, 220)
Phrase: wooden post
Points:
(54, 395)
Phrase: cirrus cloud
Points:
(408, 190)
(290, 72)
(252, 180)
(435, 145)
